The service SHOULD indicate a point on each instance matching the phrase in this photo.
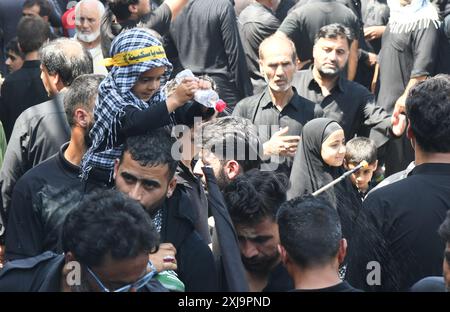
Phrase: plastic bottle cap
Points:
(220, 106)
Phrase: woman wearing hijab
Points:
(319, 161)
(130, 100)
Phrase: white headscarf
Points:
(416, 15)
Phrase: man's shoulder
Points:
(39, 174)
(28, 274)
(42, 110)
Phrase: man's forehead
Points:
(263, 228)
(339, 41)
(144, 172)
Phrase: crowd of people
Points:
(328, 170)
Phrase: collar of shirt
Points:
(432, 169)
(313, 85)
(66, 164)
(295, 102)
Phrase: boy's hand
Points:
(182, 93)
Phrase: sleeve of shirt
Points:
(425, 47)
(24, 233)
(159, 19)
(13, 163)
(234, 51)
(377, 122)
(137, 122)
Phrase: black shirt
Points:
(279, 280)
(341, 287)
(20, 90)
(398, 229)
(256, 22)
(404, 56)
(43, 274)
(206, 37)
(350, 104)
(38, 134)
(260, 110)
(38, 207)
(303, 23)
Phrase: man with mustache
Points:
(278, 112)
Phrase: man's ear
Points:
(81, 117)
(342, 250)
(132, 8)
(116, 167)
(171, 187)
(232, 169)
(409, 132)
(283, 254)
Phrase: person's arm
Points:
(425, 46)
(136, 122)
(353, 60)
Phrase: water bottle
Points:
(208, 98)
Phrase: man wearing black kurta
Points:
(408, 55)
(396, 241)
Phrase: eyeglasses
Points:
(136, 285)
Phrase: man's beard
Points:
(222, 180)
(262, 265)
(329, 73)
(88, 37)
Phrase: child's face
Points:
(148, 83)
(333, 149)
(362, 177)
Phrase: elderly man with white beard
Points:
(88, 14)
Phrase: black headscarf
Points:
(310, 172)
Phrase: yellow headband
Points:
(136, 56)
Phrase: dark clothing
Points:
(137, 122)
(283, 9)
(256, 22)
(20, 90)
(43, 274)
(194, 189)
(429, 284)
(279, 280)
(398, 229)
(404, 56)
(303, 23)
(10, 14)
(260, 110)
(341, 287)
(196, 266)
(350, 104)
(39, 206)
(206, 37)
(38, 134)
(158, 20)
(374, 13)
(444, 48)
(310, 173)
(232, 271)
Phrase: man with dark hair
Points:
(40, 130)
(278, 112)
(403, 218)
(145, 172)
(24, 88)
(129, 13)
(311, 245)
(253, 200)
(37, 8)
(14, 57)
(303, 23)
(37, 206)
(106, 241)
(230, 145)
(347, 102)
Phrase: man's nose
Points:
(248, 249)
(135, 192)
